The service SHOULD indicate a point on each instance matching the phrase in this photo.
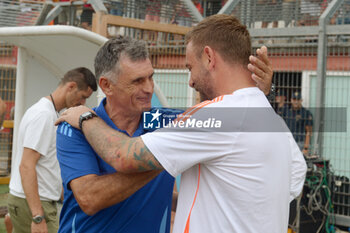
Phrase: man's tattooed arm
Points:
(123, 153)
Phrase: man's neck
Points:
(58, 99)
(122, 119)
(232, 79)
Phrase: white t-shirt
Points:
(247, 178)
(38, 132)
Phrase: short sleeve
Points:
(40, 133)
(179, 150)
(198, 137)
(75, 155)
(309, 118)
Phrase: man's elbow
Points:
(88, 210)
(87, 203)
(23, 169)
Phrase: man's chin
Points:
(146, 107)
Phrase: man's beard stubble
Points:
(206, 90)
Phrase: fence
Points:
(7, 94)
(170, 11)
(19, 13)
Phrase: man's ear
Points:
(71, 86)
(105, 85)
(209, 57)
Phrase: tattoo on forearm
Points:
(142, 154)
(120, 151)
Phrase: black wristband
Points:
(85, 116)
(272, 94)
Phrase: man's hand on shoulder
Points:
(261, 69)
(71, 115)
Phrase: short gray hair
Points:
(108, 57)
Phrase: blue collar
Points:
(101, 112)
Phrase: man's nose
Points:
(148, 87)
(191, 83)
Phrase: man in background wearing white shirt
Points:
(36, 184)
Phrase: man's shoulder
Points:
(40, 107)
(305, 112)
(38, 115)
(244, 97)
(66, 130)
(305, 109)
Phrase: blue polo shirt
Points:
(147, 210)
(297, 120)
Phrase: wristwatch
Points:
(85, 116)
(38, 219)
